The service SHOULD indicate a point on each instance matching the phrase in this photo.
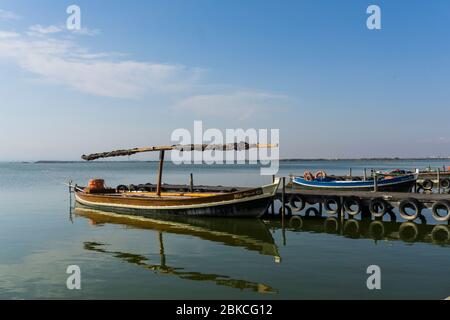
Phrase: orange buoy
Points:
(321, 174)
(308, 176)
(96, 184)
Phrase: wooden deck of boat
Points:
(165, 195)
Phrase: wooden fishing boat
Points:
(394, 183)
(248, 202)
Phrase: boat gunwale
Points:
(161, 203)
(355, 184)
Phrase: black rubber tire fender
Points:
(297, 199)
(439, 205)
(445, 183)
(378, 203)
(327, 205)
(141, 188)
(348, 202)
(410, 202)
(122, 188)
(427, 184)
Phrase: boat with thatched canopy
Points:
(247, 202)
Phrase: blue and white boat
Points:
(401, 183)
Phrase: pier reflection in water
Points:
(376, 230)
(250, 234)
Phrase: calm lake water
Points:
(202, 258)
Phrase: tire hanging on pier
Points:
(419, 189)
(441, 205)
(412, 204)
(329, 202)
(427, 184)
(445, 183)
(122, 188)
(297, 203)
(349, 203)
(378, 207)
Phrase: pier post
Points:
(272, 205)
(439, 180)
(350, 173)
(283, 201)
(365, 174)
(191, 182)
(375, 181)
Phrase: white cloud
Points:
(52, 54)
(38, 29)
(86, 31)
(240, 105)
(63, 62)
(8, 35)
(8, 15)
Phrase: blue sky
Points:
(141, 69)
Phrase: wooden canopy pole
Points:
(160, 169)
(191, 147)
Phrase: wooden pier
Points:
(365, 204)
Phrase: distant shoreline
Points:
(281, 160)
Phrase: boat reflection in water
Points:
(251, 234)
(376, 230)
